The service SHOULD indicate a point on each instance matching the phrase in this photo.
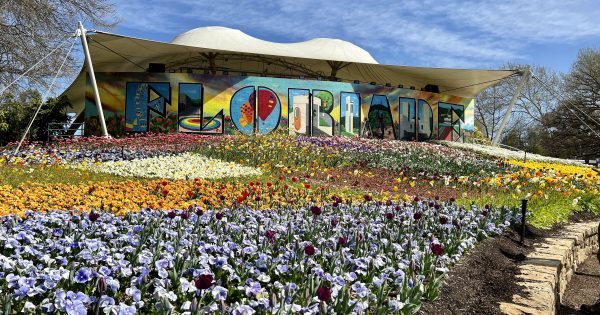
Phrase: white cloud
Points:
(456, 34)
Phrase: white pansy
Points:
(184, 166)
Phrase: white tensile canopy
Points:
(219, 50)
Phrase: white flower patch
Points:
(505, 153)
(184, 166)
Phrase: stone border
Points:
(545, 272)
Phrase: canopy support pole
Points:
(525, 77)
(88, 60)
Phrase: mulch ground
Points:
(486, 275)
(584, 287)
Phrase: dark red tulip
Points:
(334, 222)
(93, 216)
(417, 215)
(270, 234)
(437, 249)
(316, 210)
(389, 216)
(101, 286)
(443, 219)
(204, 282)
(342, 240)
(324, 294)
(185, 215)
(171, 214)
(219, 215)
(309, 250)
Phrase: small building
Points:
(216, 80)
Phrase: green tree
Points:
(16, 113)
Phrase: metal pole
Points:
(88, 60)
(525, 76)
(523, 212)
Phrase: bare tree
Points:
(489, 109)
(536, 100)
(31, 29)
(575, 125)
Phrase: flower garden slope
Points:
(184, 166)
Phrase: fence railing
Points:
(62, 130)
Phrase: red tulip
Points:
(204, 282)
(309, 250)
(316, 210)
(437, 249)
(270, 234)
(324, 294)
(93, 216)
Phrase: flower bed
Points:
(96, 149)
(181, 166)
(369, 258)
(123, 197)
(504, 153)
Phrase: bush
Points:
(16, 113)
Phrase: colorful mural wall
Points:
(209, 104)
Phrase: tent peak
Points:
(230, 39)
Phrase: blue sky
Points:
(462, 34)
